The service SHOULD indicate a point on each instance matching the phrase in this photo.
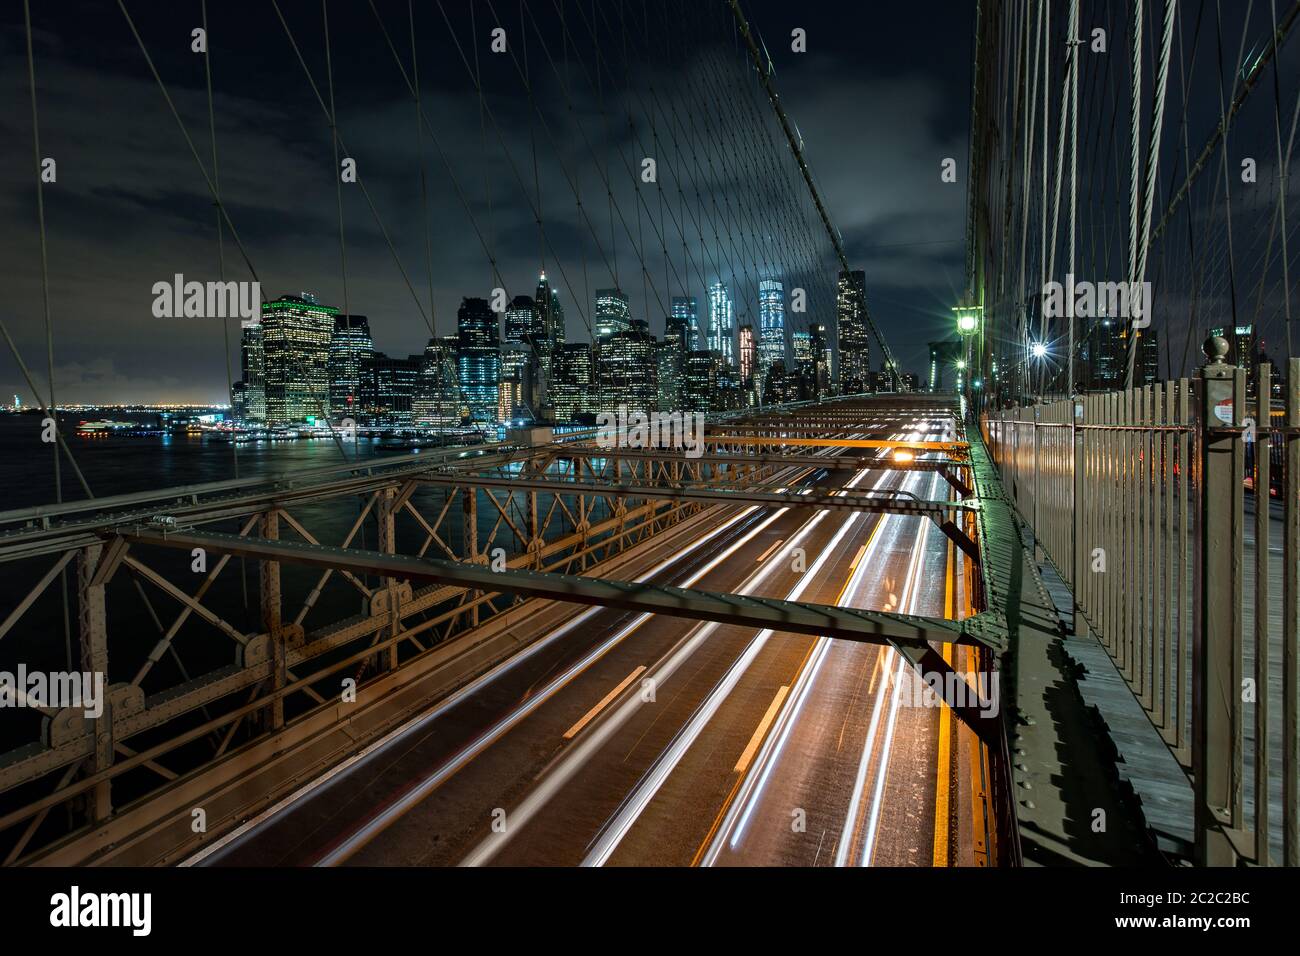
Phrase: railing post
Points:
(269, 577)
(1081, 508)
(1291, 620)
(469, 537)
(93, 626)
(388, 545)
(1217, 691)
(1038, 551)
(1263, 481)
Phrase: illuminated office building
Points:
(388, 387)
(613, 314)
(771, 322)
(670, 355)
(248, 396)
(686, 308)
(550, 318)
(437, 392)
(748, 360)
(627, 370)
(478, 358)
(349, 348)
(805, 365)
(851, 316)
(722, 331)
(571, 386)
(821, 355)
(1103, 357)
(1241, 351)
(296, 334)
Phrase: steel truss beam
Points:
(842, 462)
(946, 447)
(871, 627)
(884, 503)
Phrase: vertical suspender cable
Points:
(1153, 164)
(221, 248)
(53, 408)
(1283, 165)
(1073, 44)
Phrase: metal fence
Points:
(1145, 502)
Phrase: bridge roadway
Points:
(622, 738)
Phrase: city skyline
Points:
(303, 361)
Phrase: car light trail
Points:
(411, 797)
(596, 737)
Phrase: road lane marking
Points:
(857, 557)
(761, 730)
(979, 776)
(619, 825)
(764, 556)
(801, 679)
(942, 810)
(470, 751)
(885, 659)
(740, 780)
(578, 756)
(604, 702)
(624, 820)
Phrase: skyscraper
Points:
(613, 314)
(1103, 356)
(748, 359)
(525, 336)
(1241, 352)
(851, 316)
(722, 332)
(687, 309)
(250, 406)
(387, 388)
(805, 365)
(700, 380)
(296, 333)
(523, 324)
(550, 313)
(670, 355)
(349, 348)
(821, 350)
(571, 387)
(437, 391)
(627, 371)
(771, 323)
(478, 358)
(550, 317)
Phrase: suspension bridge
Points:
(1045, 616)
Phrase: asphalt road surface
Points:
(630, 739)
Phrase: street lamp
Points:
(1038, 350)
(969, 318)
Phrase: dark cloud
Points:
(131, 208)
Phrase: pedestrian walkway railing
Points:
(1181, 547)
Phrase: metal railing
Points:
(1139, 499)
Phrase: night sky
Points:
(880, 98)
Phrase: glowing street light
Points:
(968, 318)
(1038, 350)
(961, 364)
